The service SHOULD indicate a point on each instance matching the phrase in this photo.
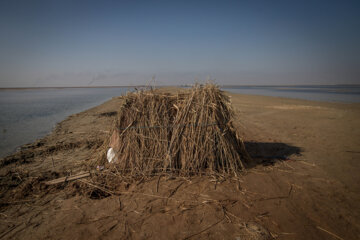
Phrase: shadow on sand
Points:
(269, 153)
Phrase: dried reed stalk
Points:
(185, 133)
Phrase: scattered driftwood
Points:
(68, 178)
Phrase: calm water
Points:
(26, 115)
(327, 93)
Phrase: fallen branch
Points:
(328, 232)
(68, 178)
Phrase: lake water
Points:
(327, 93)
(26, 115)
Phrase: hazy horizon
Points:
(149, 84)
(126, 43)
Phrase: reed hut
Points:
(185, 133)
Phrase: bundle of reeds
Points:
(185, 133)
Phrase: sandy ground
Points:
(305, 183)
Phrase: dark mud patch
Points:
(28, 153)
(107, 114)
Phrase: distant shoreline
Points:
(186, 85)
(30, 88)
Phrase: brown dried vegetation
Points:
(185, 133)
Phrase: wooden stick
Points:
(68, 178)
(328, 232)
(9, 230)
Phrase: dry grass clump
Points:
(185, 133)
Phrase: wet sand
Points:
(304, 185)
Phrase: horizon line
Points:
(180, 85)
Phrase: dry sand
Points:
(305, 183)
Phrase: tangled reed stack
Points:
(187, 133)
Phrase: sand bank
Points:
(305, 184)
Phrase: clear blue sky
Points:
(80, 43)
